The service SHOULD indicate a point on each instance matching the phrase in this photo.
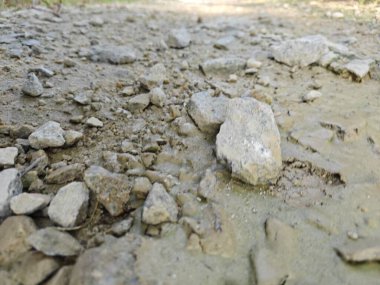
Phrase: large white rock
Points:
(8, 156)
(49, 134)
(10, 185)
(159, 206)
(69, 206)
(28, 203)
(359, 67)
(207, 112)
(249, 142)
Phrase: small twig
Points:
(30, 167)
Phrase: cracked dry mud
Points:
(120, 92)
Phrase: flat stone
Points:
(300, 52)
(113, 54)
(8, 156)
(65, 174)
(159, 206)
(178, 38)
(53, 242)
(311, 96)
(112, 263)
(72, 137)
(28, 203)
(362, 250)
(222, 65)
(224, 43)
(254, 63)
(62, 277)
(122, 227)
(138, 103)
(249, 142)
(82, 98)
(94, 122)
(141, 187)
(10, 186)
(32, 86)
(207, 112)
(14, 232)
(111, 189)
(154, 77)
(69, 206)
(158, 97)
(359, 67)
(49, 134)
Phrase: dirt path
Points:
(318, 224)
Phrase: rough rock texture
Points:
(138, 103)
(32, 86)
(8, 156)
(113, 54)
(207, 112)
(300, 52)
(222, 65)
(363, 250)
(14, 232)
(249, 142)
(62, 277)
(53, 242)
(69, 206)
(10, 186)
(111, 189)
(66, 174)
(159, 206)
(28, 203)
(359, 67)
(110, 264)
(154, 77)
(72, 137)
(178, 38)
(49, 134)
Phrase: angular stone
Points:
(69, 206)
(66, 174)
(122, 227)
(113, 54)
(82, 99)
(53, 242)
(94, 122)
(222, 65)
(300, 52)
(14, 232)
(110, 264)
(359, 67)
(28, 203)
(32, 86)
(311, 96)
(207, 112)
(141, 187)
(154, 77)
(224, 43)
(8, 156)
(72, 137)
(159, 206)
(138, 103)
(249, 142)
(10, 186)
(362, 250)
(62, 277)
(111, 189)
(158, 97)
(49, 134)
(178, 38)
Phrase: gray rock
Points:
(111, 189)
(43, 71)
(178, 38)
(8, 156)
(53, 242)
(65, 174)
(28, 203)
(362, 250)
(224, 43)
(158, 97)
(207, 112)
(97, 22)
(113, 54)
(32, 86)
(159, 206)
(154, 77)
(122, 227)
(207, 186)
(249, 142)
(94, 122)
(14, 232)
(10, 186)
(223, 65)
(82, 99)
(141, 187)
(138, 103)
(49, 134)
(112, 263)
(311, 96)
(300, 52)
(72, 137)
(69, 206)
(62, 277)
(327, 59)
(359, 67)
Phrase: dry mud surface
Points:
(319, 223)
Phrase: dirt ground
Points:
(328, 194)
